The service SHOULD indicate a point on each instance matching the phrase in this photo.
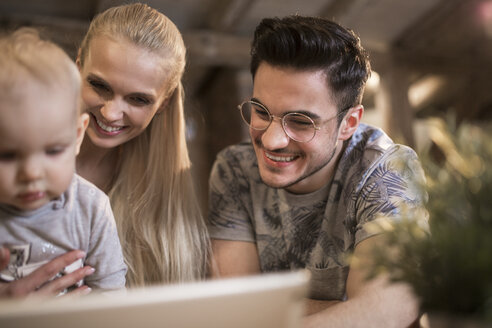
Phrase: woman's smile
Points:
(107, 128)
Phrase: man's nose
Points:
(274, 137)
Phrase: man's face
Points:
(285, 163)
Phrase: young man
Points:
(306, 189)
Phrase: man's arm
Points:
(234, 258)
(238, 258)
(370, 303)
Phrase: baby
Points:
(45, 208)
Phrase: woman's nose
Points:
(112, 110)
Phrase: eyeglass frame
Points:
(281, 118)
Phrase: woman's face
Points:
(123, 87)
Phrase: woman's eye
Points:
(140, 101)
(98, 86)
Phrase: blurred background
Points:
(429, 57)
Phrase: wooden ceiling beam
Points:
(206, 48)
(337, 8)
(223, 14)
(430, 26)
(67, 33)
(430, 62)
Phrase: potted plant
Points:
(449, 264)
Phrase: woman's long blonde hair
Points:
(162, 231)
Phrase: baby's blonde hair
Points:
(162, 231)
(25, 55)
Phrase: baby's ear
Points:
(77, 60)
(82, 123)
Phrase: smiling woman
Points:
(121, 99)
(131, 61)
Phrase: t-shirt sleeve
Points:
(229, 199)
(105, 254)
(394, 185)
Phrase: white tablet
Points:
(263, 301)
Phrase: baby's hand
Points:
(38, 282)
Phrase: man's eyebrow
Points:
(257, 101)
(312, 115)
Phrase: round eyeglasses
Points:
(297, 126)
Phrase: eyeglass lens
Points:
(297, 126)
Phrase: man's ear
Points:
(82, 123)
(350, 122)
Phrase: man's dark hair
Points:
(312, 43)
